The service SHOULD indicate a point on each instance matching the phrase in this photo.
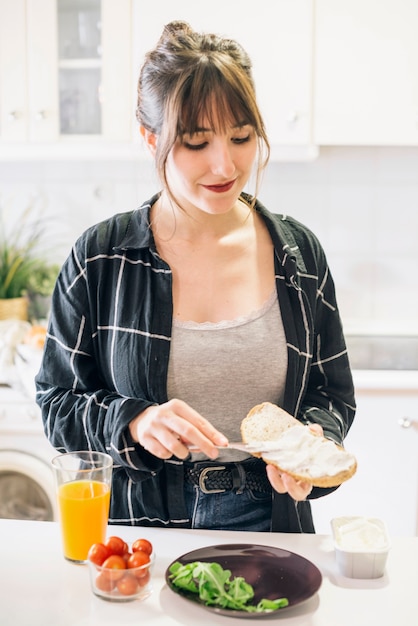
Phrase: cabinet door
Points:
(29, 103)
(366, 72)
(65, 71)
(13, 101)
(42, 87)
(386, 482)
(278, 38)
(94, 68)
(117, 88)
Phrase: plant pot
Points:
(39, 306)
(14, 308)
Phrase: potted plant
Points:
(20, 260)
(40, 287)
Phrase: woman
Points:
(170, 322)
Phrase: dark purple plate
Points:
(273, 573)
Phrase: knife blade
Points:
(257, 447)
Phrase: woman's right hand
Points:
(167, 429)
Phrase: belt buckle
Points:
(203, 475)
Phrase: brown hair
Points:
(189, 76)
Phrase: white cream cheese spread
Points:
(361, 533)
(300, 451)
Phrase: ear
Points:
(150, 139)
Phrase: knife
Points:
(256, 447)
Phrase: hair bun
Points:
(175, 28)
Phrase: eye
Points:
(243, 134)
(195, 146)
(239, 140)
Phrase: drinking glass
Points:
(83, 482)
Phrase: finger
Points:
(163, 442)
(198, 422)
(191, 428)
(155, 447)
(298, 490)
(155, 437)
(317, 429)
(275, 477)
(283, 483)
(166, 429)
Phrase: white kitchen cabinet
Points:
(19, 122)
(278, 38)
(366, 72)
(384, 439)
(65, 75)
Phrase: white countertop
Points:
(386, 380)
(39, 587)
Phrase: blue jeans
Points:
(249, 510)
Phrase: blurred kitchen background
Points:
(337, 81)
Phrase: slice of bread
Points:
(295, 449)
(266, 422)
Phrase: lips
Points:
(220, 188)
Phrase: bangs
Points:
(216, 97)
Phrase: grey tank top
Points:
(223, 369)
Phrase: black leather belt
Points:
(221, 478)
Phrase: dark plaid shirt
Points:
(107, 352)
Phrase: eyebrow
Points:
(201, 129)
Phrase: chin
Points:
(218, 206)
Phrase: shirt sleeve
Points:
(79, 410)
(329, 398)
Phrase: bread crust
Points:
(267, 422)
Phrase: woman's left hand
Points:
(283, 483)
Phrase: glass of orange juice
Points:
(83, 481)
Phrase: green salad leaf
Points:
(215, 587)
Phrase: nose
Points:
(222, 162)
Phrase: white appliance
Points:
(26, 480)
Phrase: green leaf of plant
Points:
(21, 252)
(215, 587)
(272, 605)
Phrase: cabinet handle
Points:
(293, 117)
(13, 116)
(406, 422)
(41, 116)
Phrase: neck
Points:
(171, 221)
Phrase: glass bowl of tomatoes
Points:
(119, 572)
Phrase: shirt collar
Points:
(138, 233)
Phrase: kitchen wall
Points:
(361, 202)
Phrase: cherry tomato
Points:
(144, 580)
(116, 545)
(142, 545)
(115, 567)
(138, 564)
(98, 553)
(128, 585)
(126, 556)
(137, 559)
(104, 583)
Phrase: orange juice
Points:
(84, 512)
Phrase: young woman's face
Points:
(208, 169)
